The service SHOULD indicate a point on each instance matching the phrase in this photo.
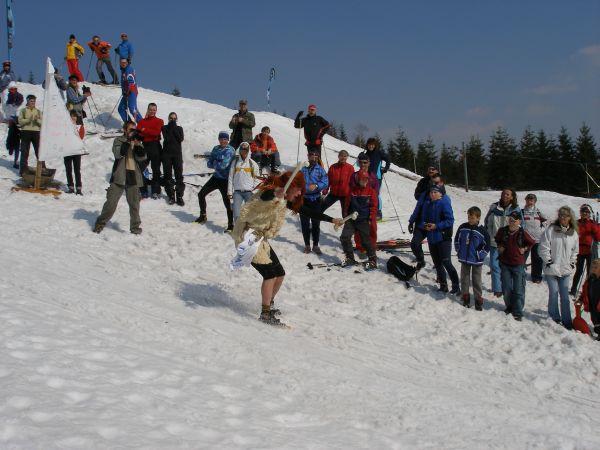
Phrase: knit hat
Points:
(363, 157)
(72, 37)
(30, 97)
(223, 135)
(586, 207)
(515, 215)
(437, 188)
(312, 106)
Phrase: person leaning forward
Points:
(130, 161)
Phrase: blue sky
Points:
(447, 69)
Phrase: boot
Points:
(180, 201)
(270, 319)
(420, 265)
(98, 227)
(137, 230)
(307, 249)
(443, 288)
(479, 303)
(78, 191)
(371, 264)
(171, 200)
(317, 250)
(466, 298)
(70, 190)
(455, 290)
(201, 218)
(349, 260)
(274, 311)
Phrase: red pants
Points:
(73, 66)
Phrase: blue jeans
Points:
(239, 198)
(495, 268)
(559, 286)
(513, 288)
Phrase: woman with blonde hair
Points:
(558, 249)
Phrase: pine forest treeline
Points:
(535, 161)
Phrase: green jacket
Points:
(122, 149)
(30, 119)
(242, 131)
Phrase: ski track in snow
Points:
(123, 341)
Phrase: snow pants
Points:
(582, 260)
(211, 185)
(311, 227)
(173, 162)
(111, 70)
(129, 101)
(360, 227)
(536, 263)
(73, 67)
(154, 152)
(559, 287)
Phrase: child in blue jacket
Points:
(472, 244)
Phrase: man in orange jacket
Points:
(264, 151)
(102, 51)
(150, 128)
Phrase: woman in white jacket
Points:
(241, 178)
(558, 249)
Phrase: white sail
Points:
(58, 137)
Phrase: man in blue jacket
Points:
(220, 160)
(437, 220)
(125, 49)
(129, 92)
(316, 180)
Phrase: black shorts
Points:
(272, 270)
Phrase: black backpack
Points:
(400, 269)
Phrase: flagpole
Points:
(9, 28)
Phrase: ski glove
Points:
(411, 228)
(300, 113)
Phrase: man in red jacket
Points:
(150, 127)
(339, 181)
(589, 231)
(102, 51)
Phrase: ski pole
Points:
(325, 151)
(97, 112)
(115, 107)
(89, 67)
(299, 137)
(92, 113)
(392, 202)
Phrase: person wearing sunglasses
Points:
(589, 231)
(125, 49)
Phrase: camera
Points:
(134, 135)
(86, 90)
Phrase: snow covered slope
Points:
(123, 341)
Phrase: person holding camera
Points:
(172, 160)
(241, 123)
(75, 100)
(130, 161)
(150, 127)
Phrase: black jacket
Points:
(314, 128)
(423, 186)
(172, 138)
(376, 160)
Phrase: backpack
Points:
(400, 269)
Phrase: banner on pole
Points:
(271, 78)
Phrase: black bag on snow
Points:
(400, 269)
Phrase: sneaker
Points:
(137, 230)
(307, 249)
(155, 196)
(316, 250)
(98, 228)
(70, 190)
(443, 288)
(229, 229)
(466, 298)
(201, 219)
(171, 200)
(78, 192)
(180, 201)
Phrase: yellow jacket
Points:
(72, 50)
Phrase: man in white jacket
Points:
(558, 249)
(241, 178)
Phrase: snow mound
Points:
(116, 340)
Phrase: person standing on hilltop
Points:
(129, 92)
(102, 51)
(6, 76)
(150, 127)
(241, 123)
(74, 52)
(125, 49)
(314, 129)
(173, 160)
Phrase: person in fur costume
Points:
(265, 214)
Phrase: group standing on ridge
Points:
(257, 193)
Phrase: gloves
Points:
(299, 114)
(411, 228)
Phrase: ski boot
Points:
(371, 264)
(455, 290)
(171, 200)
(180, 201)
(349, 261)
(201, 219)
(479, 303)
(466, 299)
(443, 288)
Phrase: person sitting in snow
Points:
(242, 174)
(363, 201)
(264, 151)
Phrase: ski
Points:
(111, 134)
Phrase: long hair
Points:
(572, 219)
(514, 202)
(279, 181)
(372, 140)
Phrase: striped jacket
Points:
(472, 244)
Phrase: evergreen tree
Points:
(528, 175)
(380, 145)
(585, 148)
(342, 132)
(403, 149)
(176, 92)
(426, 155)
(332, 130)
(503, 165)
(284, 114)
(476, 163)
(450, 165)
(548, 173)
(31, 79)
(360, 137)
(571, 175)
(20, 79)
(392, 152)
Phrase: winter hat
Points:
(72, 37)
(223, 135)
(437, 188)
(6, 63)
(312, 106)
(515, 215)
(12, 85)
(244, 146)
(586, 207)
(363, 157)
(30, 97)
(532, 196)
